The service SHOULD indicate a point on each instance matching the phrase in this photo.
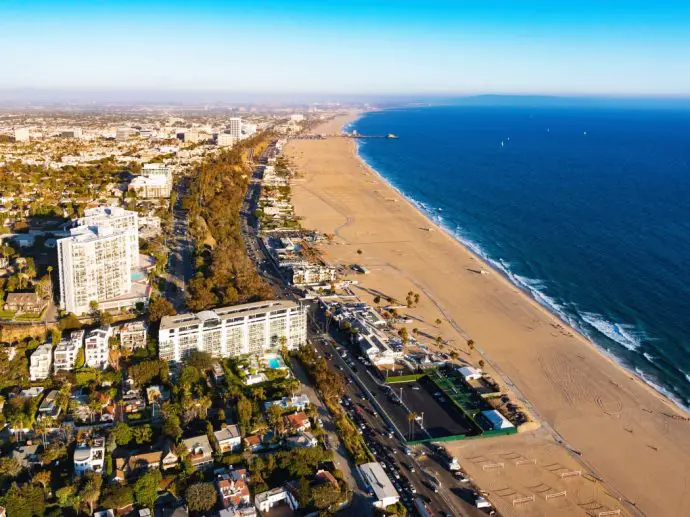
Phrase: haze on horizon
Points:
(399, 47)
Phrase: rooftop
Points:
(376, 478)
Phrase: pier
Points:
(389, 136)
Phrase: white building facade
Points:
(40, 362)
(65, 355)
(96, 348)
(235, 127)
(118, 219)
(251, 328)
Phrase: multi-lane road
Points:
(180, 259)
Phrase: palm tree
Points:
(438, 322)
(410, 423)
(470, 344)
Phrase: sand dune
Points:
(620, 427)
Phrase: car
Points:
(416, 388)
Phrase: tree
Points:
(66, 495)
(43, 478)
(244, 411)
(70, 322)
(91, 491)
(481, 363)
(189, 376)
(118, 496)
(105, 318)
(377, 299)
(10, 467)
(142, 434)
(201, 497)
(438, 322)
(470, 344)
(171, 427)
(359, 252)
(404, 335)
(93, 306)
(202, 361)
(158, 308)
(275, 419)
(146, 488)
(122, 433)
(27, 501)
(80, 359)
(221, 415)
(325, 495)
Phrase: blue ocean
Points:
(585, 208)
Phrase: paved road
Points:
(180, 262)
(391, 450)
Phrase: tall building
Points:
(118, 219)
(235, 127)
(252, 328)
(155, 181)
(21, 134)
(41, 361)
(95, 264)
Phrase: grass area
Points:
(7, 315)
(29, 316)
(404, 378)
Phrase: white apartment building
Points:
(116, 218)
(155, 181)
(40, 362)
(94, 264)
(133, 335)
(66, 351)
(312, 274)
(21, 134)
(96, 348)
(226, 140)
(235, 127)
(251, 328)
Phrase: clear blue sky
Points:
(355, 46)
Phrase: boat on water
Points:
(391, 136)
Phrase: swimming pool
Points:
(275, 362)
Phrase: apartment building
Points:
(94, 264)
(312, 274)
(65, 355)
(118, 219)
(251, 328)
(226, 140)
(155, 181)
(96, 347)
(40, 362)
(89, 456)
(235, 127)
(21, 134)
(133, 335)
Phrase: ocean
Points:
(587, 209)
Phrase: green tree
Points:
(66, 495)
(325, 495)
(43, 478)
(189, 376)
(117, 496)
(80, 359)
(142, 434)
(201, 497)
(10, 467)
(91, 490)
(27, 501)
(159, 307)
(146, 488)
(202, 361)
(171, 427)
(122, 433)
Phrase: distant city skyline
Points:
(366, 48)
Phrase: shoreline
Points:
(476, 251)
(629, 434)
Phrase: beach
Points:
(610, 422)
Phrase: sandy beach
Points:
(623, 432)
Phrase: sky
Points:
(439, 47)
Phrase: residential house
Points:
(297, 422)
(41, 361)
(49, 407)
(96, 347)
(133, 335)
(233, 489)
(65, 355)
(132, 400)
(24, 303)
(89, 456)
(200, 453)
(253, 442)
(28, 456)
(296, 403)
(229, 438)
(274, 497)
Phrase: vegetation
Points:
(225, 275)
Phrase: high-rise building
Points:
(235, 127)
(41, 361)
(21, 134)
(95, 264)
(118, 219)
(251, 328)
